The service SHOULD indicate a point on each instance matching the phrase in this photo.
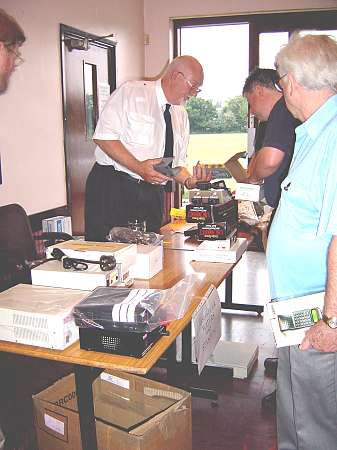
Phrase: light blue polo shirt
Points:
(306, 218)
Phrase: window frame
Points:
(322, 19)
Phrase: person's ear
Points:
(291, 83)
(259, 90)
(175, 75)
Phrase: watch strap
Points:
(330, 321)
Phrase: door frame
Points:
(70, 32)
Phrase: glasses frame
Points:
(192, 88)
(277, 85)
(18, 58)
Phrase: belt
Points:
(129, 177)
(124, 174)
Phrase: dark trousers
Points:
(114, 198)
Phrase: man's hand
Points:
(320, 337)
(252, 178)
(201, 173)
(149, 173)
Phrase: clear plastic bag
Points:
(108, 308)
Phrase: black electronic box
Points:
(122, 341)
(118, 320)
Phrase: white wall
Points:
(31, 132)
(157, 15)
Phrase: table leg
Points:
(186, 348)
(228, 303)
(188, 366)
(84, 377)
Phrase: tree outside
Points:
(208, 117)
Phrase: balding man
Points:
(130, 135)
(11, 38)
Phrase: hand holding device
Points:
(164, 167)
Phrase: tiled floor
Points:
(237, 422)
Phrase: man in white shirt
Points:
(123, 185)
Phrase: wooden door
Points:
(88, 78)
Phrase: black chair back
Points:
(16, 246)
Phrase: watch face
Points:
(331, 321)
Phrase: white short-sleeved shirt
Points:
(134, 115)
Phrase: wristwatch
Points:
(330, 321)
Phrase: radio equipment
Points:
(212, 213)
(214, 209)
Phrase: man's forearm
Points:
(265, 163)
(330, 302)
(200, 173)
(183, 175)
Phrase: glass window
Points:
(330, 32)
(218, 115)
(229, 47)
(269, 45)
(90, 83)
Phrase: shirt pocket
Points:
(299, 208)
(139, 129)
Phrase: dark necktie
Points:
(169, 132)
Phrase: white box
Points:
(286, 308)
(37, 315)
(125, 254)
(239, 356)
(52, 273)
(246, 191)
(212, 251)
(149, 261)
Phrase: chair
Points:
(17, 245)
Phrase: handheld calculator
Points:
(299, 319)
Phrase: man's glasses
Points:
(193, 88)
(277, 85)
(18, 58)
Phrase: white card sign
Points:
(207, 326)
(103, 94)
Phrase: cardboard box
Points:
(38, 315)
(236, 169)
(212, 251)
(131, 412)
(149, 261)
(252, 192)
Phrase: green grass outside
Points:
(215, 148)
